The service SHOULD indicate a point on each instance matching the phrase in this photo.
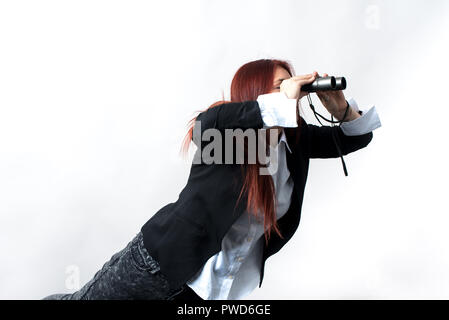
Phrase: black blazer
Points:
(184, 234)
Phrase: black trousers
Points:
(130, 274)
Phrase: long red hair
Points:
(251, 80)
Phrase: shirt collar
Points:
(284, 139)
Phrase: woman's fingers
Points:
(304, 76)
(307, 80)
(292, 86)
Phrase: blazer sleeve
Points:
(234, 115)
(319, 142)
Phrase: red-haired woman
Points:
(212, 243)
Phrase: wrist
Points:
(348, 113)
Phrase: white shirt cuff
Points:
(277, 110)
(368, 122)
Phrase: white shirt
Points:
(234, 272)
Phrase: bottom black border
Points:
(244, 309)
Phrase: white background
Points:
(94, 101)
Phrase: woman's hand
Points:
(292, 86)
(335, 103)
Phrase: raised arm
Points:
(351, 135)
(243, 115)
(319, 143)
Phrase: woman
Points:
(212, 243)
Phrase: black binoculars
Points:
(325, 84)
